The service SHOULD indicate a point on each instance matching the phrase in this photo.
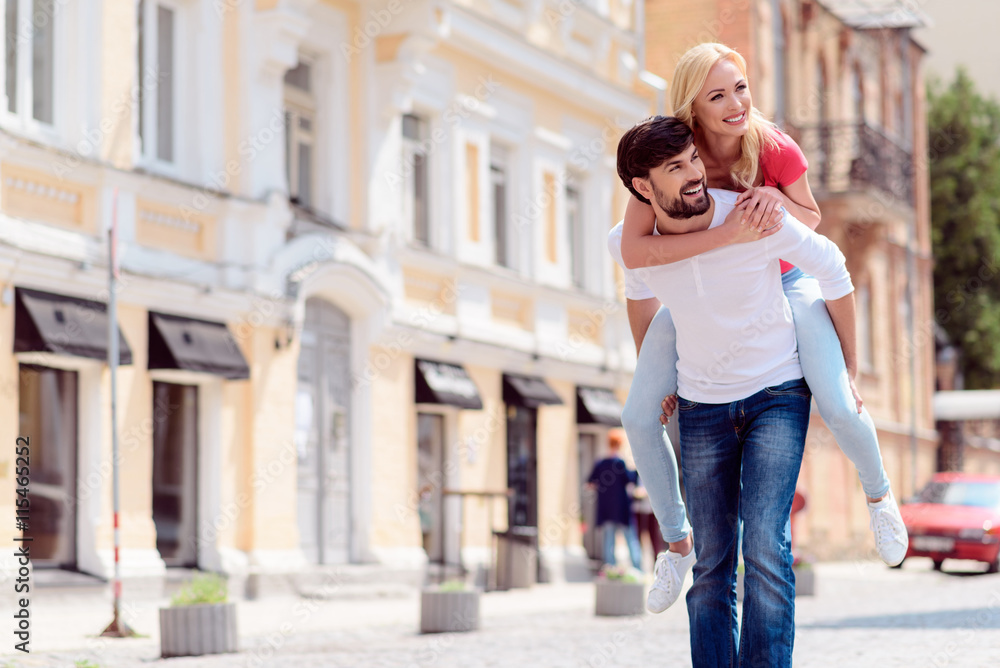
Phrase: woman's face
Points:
(723, 105)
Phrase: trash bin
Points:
(517, 557)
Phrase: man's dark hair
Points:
(647, 145)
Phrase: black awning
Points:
(597, 405)
(46, 322)
(442, 383)
(176, 342)
(528, 391)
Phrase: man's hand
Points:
(669, 405)
(740, 232)
(760, 204)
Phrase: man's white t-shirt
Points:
(735, 334)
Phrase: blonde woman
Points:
(742, 151)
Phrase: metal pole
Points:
(117, 628)
(911, 279)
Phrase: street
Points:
(864, 614)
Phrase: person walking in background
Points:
(611, 478)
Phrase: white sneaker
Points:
(891, 539)
(669, 573)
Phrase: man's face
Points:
(679, 185)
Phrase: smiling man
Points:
(743, 405)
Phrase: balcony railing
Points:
(846, 157)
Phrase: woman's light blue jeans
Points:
(823, 366)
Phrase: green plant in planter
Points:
(619, 574)
(205, 588)
(452, 585)
(82, 663)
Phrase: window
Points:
(498, 189)
(575, 230)
(821, 88)
(416, 186)
(30, 59)
(300, 132)
(778, 29)
(858, 88)
(906, 103)
(866, 353)
(158, 75)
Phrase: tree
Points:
(964, 152)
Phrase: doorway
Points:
(322, 419)
(48, 419)
(431, 483)
(522, 465)
(175, 473)
(587, 454)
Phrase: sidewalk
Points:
(864, 614)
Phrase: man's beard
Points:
(680, 208)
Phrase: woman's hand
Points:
(742, 233)
(669, 405)
(760, 205)
(854, 391)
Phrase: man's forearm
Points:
(842, 312)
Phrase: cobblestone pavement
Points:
(864, 614)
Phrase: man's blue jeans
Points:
(610, 530)
(740, 463)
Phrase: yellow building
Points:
(363, 266)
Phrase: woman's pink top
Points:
(783, 165)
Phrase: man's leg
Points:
(710, 460)
(634, 546)
(773, 441)
(610, 531)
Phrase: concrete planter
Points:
(193, 630)
(617, 599)
(449, 611)
(805, 583)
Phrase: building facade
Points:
(845, 79)
(364, 287)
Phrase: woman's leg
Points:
(823, 366)
(655, 378)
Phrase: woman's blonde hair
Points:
(689, 78)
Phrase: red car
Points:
(956, 516)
